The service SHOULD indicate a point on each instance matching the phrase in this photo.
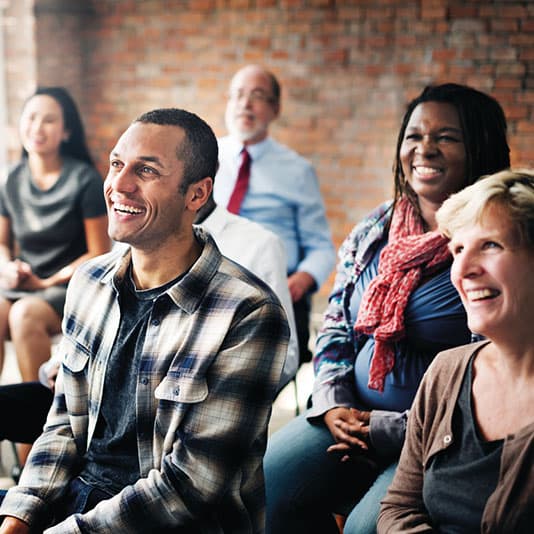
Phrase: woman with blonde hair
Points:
(467, 463)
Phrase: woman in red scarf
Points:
(392, 309)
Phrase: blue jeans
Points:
(305, 484)
(362, 519)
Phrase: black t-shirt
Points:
(111, 460)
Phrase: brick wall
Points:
(20, 64)
(60, 50)
(347, 70)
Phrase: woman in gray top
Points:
(52, 218)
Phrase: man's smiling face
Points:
(142, 188)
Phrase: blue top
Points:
(433, 311)
(284, 196)
(434, 320)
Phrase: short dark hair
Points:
(483, 125)
(199, 150)
(75, 146)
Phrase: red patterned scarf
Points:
(409, 255)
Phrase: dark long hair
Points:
(484, 132)
(75, 146)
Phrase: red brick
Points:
(510, 69)
(483, 83)
(512, 11)
(527, 54)
(488, 11)
(527, 25)
(379, 13)
(444, 55)
(433, 12)
(469, 25)
(527, 98)
(321, 3)
(462, 12)
(239, 3)
(474, 53)
(506, 53)
(525, 127)
(505, 25)
(441, 27)
(523, 39)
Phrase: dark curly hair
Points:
(484, 132)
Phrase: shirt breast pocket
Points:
(177, 401)
(183, 389)
(76, 357)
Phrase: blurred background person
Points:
(52, 218)
(392, 309)
(267, 182)
(263, 253)
(467, 462)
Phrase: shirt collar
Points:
(256, 150)
(189, 290)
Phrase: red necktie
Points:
(241, 185)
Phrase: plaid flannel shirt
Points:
(210, 365)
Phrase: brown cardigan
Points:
(510, 508)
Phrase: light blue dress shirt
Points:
(283, 196)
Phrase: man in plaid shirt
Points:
(171, 359)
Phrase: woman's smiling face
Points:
(432, 152)
(42, 128)
(492, 272)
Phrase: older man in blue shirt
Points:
(282, 191)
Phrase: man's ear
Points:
(276, 108)
(198, 193)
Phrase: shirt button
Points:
(155, 322)
(447, 439)
(176, 391)
(144, 381)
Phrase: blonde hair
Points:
(512, 190)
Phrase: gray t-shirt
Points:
(48, 226)
(459, 480)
